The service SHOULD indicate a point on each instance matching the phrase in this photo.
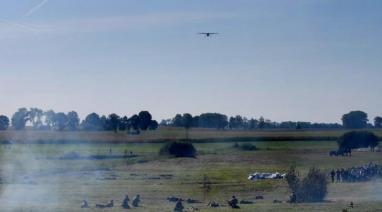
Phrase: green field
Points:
(34, 178)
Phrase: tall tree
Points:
(73, 121)
(4, 122)
(144, 120)
(134, 123)
(49, 118)
(177, 121)
(153, 125)
(213, 120)
(236, 122)
(105, 124)
(114, 122)
(378, 122)
(35, 115)
(92, 122)
(355, 120)
(252, 124)
(60, 121)
(124, 122)
(20, 118)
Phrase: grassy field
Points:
(169, 133)
(34, 178)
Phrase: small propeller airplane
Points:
(207, 34)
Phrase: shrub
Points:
(358, 139)
(178, 149)
(248, 147)
(312, 188)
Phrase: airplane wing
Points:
(209, 33)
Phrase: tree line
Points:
(59, 121)
(351, 120)
(50, 120)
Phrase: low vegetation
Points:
(178, 149)
(312, 188)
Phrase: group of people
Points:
(233, 203)
(125, 203)
(135, 202)
(356, 174)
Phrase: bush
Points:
(178, 149)
(357, 139)
(313, 188)
(248, 147)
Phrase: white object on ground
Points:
(264, 175)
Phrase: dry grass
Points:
(169, 133)
(34, 183)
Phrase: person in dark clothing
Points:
(338, 174)
(125, 202)
(233, 202)
(332, 175)
(136, 201)
(179, 206)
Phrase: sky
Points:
(300, 60)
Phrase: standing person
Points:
(338, 174)
(332, 175)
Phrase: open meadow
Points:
(58, 176)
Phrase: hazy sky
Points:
(285, 60)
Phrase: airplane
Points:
(207, 34)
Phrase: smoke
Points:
(34, 178)
(21, 182)
(35, 8)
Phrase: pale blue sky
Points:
(285, 60)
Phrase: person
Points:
(338, 174)
(178, 205)
(84, 204)
(293, 198)
(136, 201)
(233, 202)
(110, 204)
(332, 174)
(125, 202)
